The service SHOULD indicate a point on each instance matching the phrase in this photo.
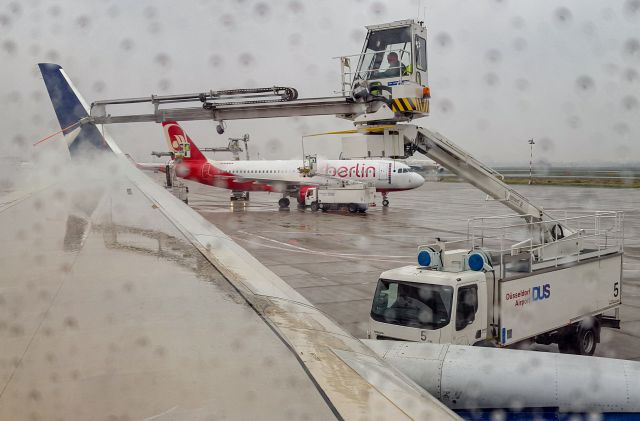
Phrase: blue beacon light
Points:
(424, 258)
(476, 261)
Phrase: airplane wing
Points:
(118, 301)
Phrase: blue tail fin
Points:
(70, 109)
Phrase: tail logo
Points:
(177, 141)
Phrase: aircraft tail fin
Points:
(177, 139)
(70, 109)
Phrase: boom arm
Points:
(456, 160)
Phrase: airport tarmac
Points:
(334, 259)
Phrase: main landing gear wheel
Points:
(385, 202)
(284, 203)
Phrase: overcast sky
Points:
(566, 73)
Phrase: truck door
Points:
(468, 320)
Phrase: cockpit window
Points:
(424, 306)
(388, 54)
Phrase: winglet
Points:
(70, 109)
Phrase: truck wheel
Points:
(353, 208)
(314, 206)
(586, 341)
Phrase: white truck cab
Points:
(499, 297)
(417, 304)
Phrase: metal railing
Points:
(511, 243)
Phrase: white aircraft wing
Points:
(118, 301)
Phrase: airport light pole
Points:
(531, 143)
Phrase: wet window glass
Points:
(415, 305)
(467, 306)
(388, 53)
(421, 53)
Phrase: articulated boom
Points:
(456, 160)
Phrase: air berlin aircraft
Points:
(281, 176)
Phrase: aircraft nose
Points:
(416, 180)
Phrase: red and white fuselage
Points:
(282, 175)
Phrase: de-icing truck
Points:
(498, 291)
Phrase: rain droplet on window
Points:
(295, 39)
(630, 103)
(378, 8)
(631, 48)
(228, 21)
(163, 60)
(216, 60)
(14, 96)
(154, 28)
(491, 79)
(574, 121)
(630, 75)
(126, 44)
(296, 7)
(149, 12)
(493, 56)
(445, 106)
(517, 22)
(113, 12)
(53, 55)
(9, 46)
(98, 86)
(632, 9)
(585, 84)
(246, 59)
(164, 85)
(519, 44)
(562, 15)
(444, 40)
(83, 21)
(262, 10)
(15, 8)
(522, 84)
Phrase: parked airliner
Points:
(281, 176)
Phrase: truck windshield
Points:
(424, 306)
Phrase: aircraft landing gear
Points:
(242, 196)
(284, 203)
(385, 201)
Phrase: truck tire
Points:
(314, 206)
(586, 341)
(353, 208)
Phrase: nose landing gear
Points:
(385, 201)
